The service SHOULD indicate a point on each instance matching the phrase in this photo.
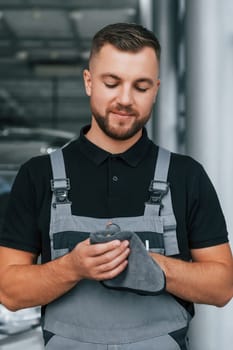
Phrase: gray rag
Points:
(142, 275)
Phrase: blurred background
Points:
(44, 46)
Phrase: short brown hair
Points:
(126, 37)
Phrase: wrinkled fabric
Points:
(142, 275)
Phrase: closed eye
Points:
(110, 86)
(141, 89)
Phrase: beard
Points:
(120, 131)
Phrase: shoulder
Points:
(192, 172)
(36, 168)
(188, 178)
(185, 162)
(36, 162)
(185, 168)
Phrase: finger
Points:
(97, 249)
(114, 272)
(112, 254)
(116, 254)
(84, 243)
(102, 248)
(114, 263)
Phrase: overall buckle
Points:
(158, 190)
(60, 188)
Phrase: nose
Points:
(125, 96)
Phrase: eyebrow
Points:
(110, 75)
(140, 80)
(145, 80)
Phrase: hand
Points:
(99, 261)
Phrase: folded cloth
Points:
(142, 275)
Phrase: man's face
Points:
(122, 87)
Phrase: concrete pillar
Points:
(165, 13)
(146, 19)
(203, 71)
(209, 105)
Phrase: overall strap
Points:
(160, 202)
(60, 184)
(162, 165)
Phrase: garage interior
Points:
(44, 47)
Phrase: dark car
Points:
(21, 329)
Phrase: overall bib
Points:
(93, 317)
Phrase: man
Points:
(108, 177)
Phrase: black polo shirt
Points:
(104, 185)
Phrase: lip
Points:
(122, 114)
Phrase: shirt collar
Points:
(132, 156)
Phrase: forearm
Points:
(24, 286)
(199, 282)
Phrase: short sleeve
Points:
(206, 222)
(20, 229)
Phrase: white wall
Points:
(210, 134)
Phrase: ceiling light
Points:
(22, 55)
(131, 11)
(54, 55)
(36, 14)
(76, 15)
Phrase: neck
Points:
(100, 139)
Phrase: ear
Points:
(158, 85)
(87, 81)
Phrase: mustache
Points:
(124, 109)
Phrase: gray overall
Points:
(93, 317)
